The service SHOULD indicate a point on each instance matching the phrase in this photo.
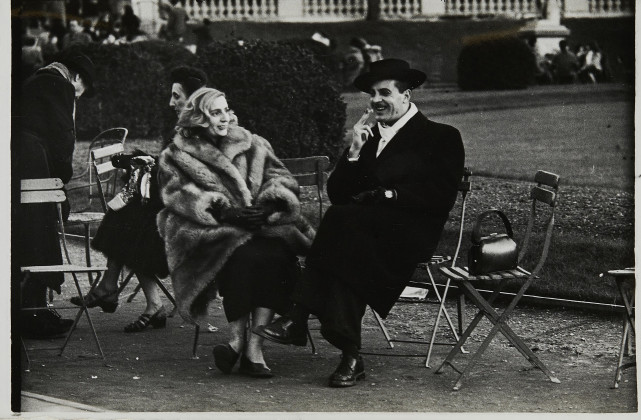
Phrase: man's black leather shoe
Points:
(284, 331)
(44, 324)
(350, 370)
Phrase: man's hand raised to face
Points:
(360, 133)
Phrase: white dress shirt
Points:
(388, 132)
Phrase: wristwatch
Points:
(390, 194)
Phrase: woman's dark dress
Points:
(259, 274)
(130, 235)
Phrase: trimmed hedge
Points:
(324, 54)
(278, 90)
(121, 99)
(496, 63)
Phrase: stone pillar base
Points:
(548, 35)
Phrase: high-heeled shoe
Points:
(108, 303)
(225, 357)
(255, 370)
(157, 320)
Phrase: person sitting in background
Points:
(203, 34)
(231, 223)
(542, 71)
(75, 36)
(128, 235)
(176, 27)
(31, 56)
(129, 22)
(87, 27)
(592, 69)
(49, 46)
(565, 65)
(353, 62)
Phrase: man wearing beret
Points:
(44, 149)
(391, 193)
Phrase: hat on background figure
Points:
(82, 65)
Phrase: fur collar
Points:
(238, 140)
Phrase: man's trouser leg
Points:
(338, 308)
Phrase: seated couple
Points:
(231, 221)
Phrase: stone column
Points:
(549, 31)
(433, 8)
(147, 11)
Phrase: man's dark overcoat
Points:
(44, 149)
(374, 247)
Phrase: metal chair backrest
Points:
(46, 190)
(309, 172)
(106, 175)
(115, 135)
(545, 193)
(464, 188)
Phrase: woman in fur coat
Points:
(231, 224)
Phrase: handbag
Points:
(495, 252)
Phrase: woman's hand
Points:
(360, 133)
(250, 218)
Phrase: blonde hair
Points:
(196, 113)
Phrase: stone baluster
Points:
(198, 10)
(473, 7)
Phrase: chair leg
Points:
(441, 310)
(84, 309)
(468, 331)
(624, 340)
(460, 308)
(88, 251)
(383, 329)
(26, 353)
(499, 322)
(124, 282)
(311, 341)
(194, 354)
(134, 293)
(166, 292)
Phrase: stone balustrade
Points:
(341, 10)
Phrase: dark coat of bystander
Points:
(44, 149)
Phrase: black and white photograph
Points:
(320, 209)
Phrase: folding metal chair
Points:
(464, 188)
(308, 172)
(111, 136)
(49, 190)
(625, 282)
(543, 194)
(102, 182)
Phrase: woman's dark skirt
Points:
(130, 236)
(259, 274)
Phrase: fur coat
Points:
(197, 177)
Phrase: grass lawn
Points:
(586, 144)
